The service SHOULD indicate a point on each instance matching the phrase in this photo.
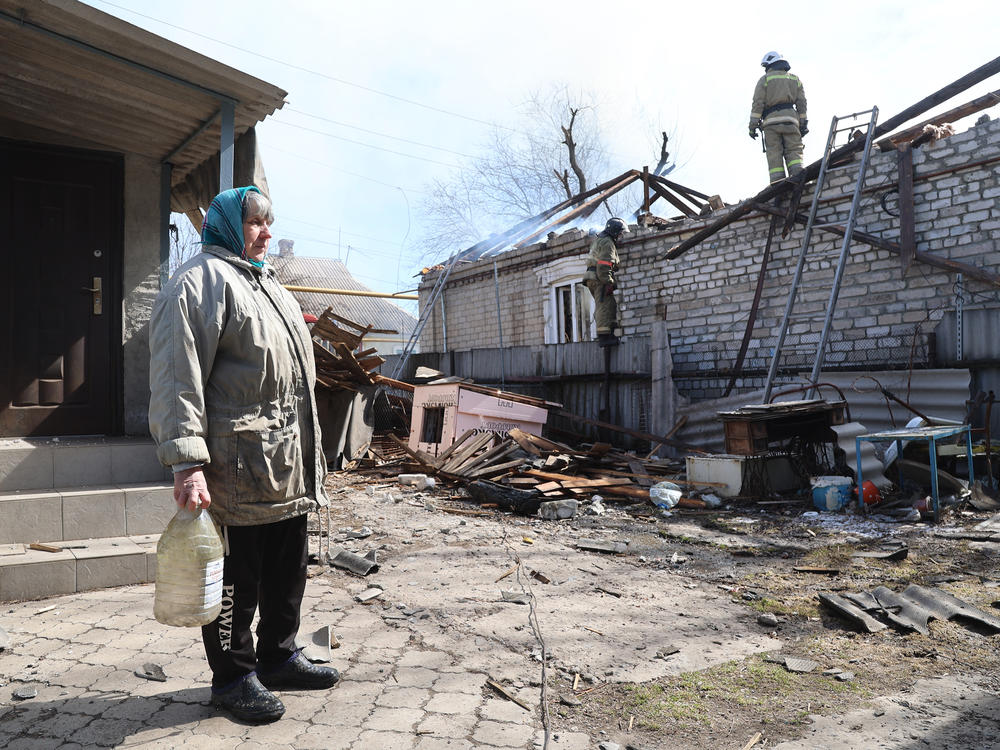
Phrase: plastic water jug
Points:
(189, 558)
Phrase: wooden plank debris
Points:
(507, 694)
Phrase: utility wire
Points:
(344, 231)
(338, 169)
(274, 121)
(308, 70)
(374, 132)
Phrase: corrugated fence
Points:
(569, 374)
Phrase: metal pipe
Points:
(350, 292)
(496, 289)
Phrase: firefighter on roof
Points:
(602, 265)
(779, 110)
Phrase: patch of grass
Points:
(799, 607)
(831, 556)
(654, 704)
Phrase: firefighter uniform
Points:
(779, 110)
(602, 264)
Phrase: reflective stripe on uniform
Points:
(777, 169)
(794, 162)
(605, 263)
(784, 76)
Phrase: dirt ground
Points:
(660, 646)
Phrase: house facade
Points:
(887, 317)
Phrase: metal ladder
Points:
(835, 127)
(428, 310)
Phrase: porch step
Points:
(82, 565)
(101, 512)
(46, 463)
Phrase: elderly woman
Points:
(233, 413)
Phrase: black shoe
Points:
(250, 701)
(299, 672)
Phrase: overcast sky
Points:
(434, 74)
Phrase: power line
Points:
(311, 160)
(374, 132)
(327, 227)
(362, 143)
(308, 70)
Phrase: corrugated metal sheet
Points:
(569, 374)
(936, 393)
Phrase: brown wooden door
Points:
(61, 231)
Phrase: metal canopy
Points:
(78, 75)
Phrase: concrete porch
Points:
(102, 501)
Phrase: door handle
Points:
(97, 291)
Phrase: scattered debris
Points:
(341, 364)
(4, 639)
(666, 651)
(570, 700)
(44, 547)
(553, 510)
(895, 551)
(910, 610)
(510, 571)
(753, 741)
(797, 664)
(596, 545)
(610, 591)
(347, 560)
(540, 577)
(150, 671)
(767, 619)
(852, 612)
(24, 693)
(515, 597)
(417, 481)
(506, 693)
(368, 595)
(318, 645)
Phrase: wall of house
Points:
(884, 318)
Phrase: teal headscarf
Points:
(223, 224)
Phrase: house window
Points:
(433, 425)
(569, 306)
(574, 313)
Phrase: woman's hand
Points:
(191, 490)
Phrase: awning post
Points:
(227, 147)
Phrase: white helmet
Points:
(771, 58)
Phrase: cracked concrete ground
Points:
(415, 661)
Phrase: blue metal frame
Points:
(929, 434)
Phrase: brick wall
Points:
(883, 319)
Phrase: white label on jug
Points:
(213, 583)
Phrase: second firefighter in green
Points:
(602, 265)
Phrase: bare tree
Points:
(556, 154)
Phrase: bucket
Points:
(831, 493)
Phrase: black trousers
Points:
(265, 568)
